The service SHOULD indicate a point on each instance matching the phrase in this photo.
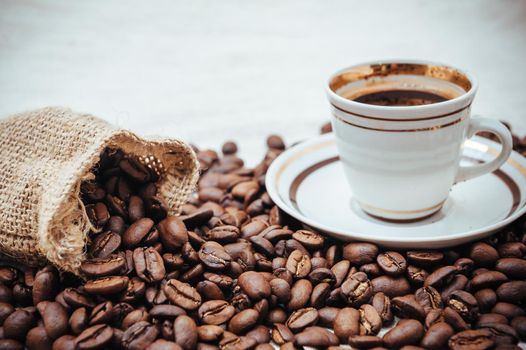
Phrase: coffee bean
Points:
(139, 336)
(138, 232)
(327, 315)
(185, 331)
(365, 341)
(55, 319)
(440, 277)
(503, 333)
(408, 307)
(99, 267)
(243, 321)
(214, 256)
(322, 275)
(472, 339)
(106, 285)
(234, 342)
(105, 244)
(299, 264)
(489, 319)
(95, 337)
(508, 310)
(465, 304)
(437, 336)
(370, 321)
(316, 337)
(302, 318)
(391, 286)
(458, 282)
(18, 323)
(300, 293)
(483, 254)
(512, 267)
(134, 170)
(66, 342)
(382, 304)
(172, 232)
(357, 289)
(215, 312)
(340, 271)
(346, 323)
(519, 324)
(512, 292)
(148, 264)
(416, 275)
(38, 339)
(260, 334)
(162, 344)
(98, 214)
(392, 263)
(182, 294)
(429, 298)
(281, 334)
(309, 239)
(488, 279)
(319, 295)
(45, 284)
(511, 250)
(424, 258)
(360, 253)
(223, 234)
(254, 285)
(406, 332)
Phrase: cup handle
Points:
(490, 125)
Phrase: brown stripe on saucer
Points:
(431, 128)
(400, 120)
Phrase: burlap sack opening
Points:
(44, 157)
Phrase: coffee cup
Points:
(400, 126)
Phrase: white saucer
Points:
(307, 182)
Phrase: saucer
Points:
(307, 182)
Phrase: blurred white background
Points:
(207, 71)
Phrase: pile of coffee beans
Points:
(234, 272)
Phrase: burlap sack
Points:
(45, 155)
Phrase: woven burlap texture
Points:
(45, 155)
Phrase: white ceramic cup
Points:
(401, 161)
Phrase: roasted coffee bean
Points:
(365, 341)
(465, 304)
(299, 264)
(429, 298)
(98, 214)
(408, 307)
(392, 263)
(38, 339)
(424, 258)
(172, 232)
(134, 317)
(346, 323)
(275, 142)
(372, 270)
(137, 232)
(99, 267)
(95, 337)
(260, 334)
(340, 271)
(106, 285)
(486, 299)
(254, 285)
(440, 277)
(234, 342)
(300, 293)
(322, 275)
(243, 321)
(319, 295)
(509, 310)
(464, 265)
(382, 304)
(327, 315)
(18, 323)
(437, 336)
(456, 321)
(472, 339)
(512, 249)
(406, 332)
(458, 282)
(281, 289)
(483, 254)
(148, 264)
(391, 286)
(512, 267)
(209, 291)
(105, 244)
(489, 319)
(309, 239)
(214, 256)
(503, 333)
(519, 324)
(215, 312)
(302, 318)
(209, 333)
(55, 319)
(416, 275)
(370, 321)
(223, 234)
(162, 344)
(135, 170)
(281, 334)
(139, 336)
(360, 253)
(185, 332)
(45, 284)
(357, 289)
(512, 292)
(78, 320)
(182, 294)
(488, 279)
(316, 337)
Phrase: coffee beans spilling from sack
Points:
(233, 272)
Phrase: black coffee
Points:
(400, 98)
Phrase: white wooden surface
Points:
(207, 71)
